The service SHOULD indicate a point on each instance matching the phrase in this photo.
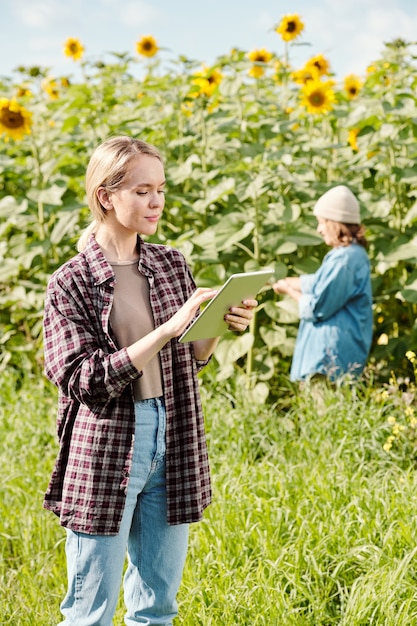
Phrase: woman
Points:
(335, 303)
(132, 469)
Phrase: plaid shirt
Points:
(96, 406)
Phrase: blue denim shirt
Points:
(335, 308)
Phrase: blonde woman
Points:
(132, 468)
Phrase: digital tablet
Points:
(238, 287)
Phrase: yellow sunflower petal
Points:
(147, 46)
(260, 56)
(290, 27)
(317, 97)
(353, 85)
(318, 64)
(15, 120)
(73, 48)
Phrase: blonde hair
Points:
(107, 168)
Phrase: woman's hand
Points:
(142, 351)
(176, 325)
(239, 317)
(281, 286)
(290, 286)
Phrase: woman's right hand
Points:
(141, 352)
(180, 320)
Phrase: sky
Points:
(349, 33)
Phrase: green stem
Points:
(39, 185)
(252, 326)
(249, 358)
(203, 141)
(41, 221)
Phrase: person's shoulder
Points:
(163, 251)
(356, 251)
(350, 259)
(348, 252)
(68, 272)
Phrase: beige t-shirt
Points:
(131, 319)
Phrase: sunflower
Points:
(51, 87)
(260, 56)
(353, 86)
(280, 71)
(256, 71)
(147, 46)
(187, 108)
(290, 27)
(23, 92)
(214, 77)
(317, 96)
(207, 80)
(319, 64)
(15, 120)
(302, 77)
(352, 139)
(73, 48)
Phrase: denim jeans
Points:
(155, 551)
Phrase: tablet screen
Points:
(238, 287)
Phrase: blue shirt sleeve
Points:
(326, 291)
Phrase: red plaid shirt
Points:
(96, 405)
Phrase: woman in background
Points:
(335, 303)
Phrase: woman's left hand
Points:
(240, 317)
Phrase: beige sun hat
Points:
(339, 205)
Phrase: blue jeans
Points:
(155, 551)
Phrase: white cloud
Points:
(45, 44)
(132, 14)
(352, 34)
(379, 28)
(42, 14)
(138, 14)
(264, 22)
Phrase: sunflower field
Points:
(249, 144)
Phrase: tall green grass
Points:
(312, 523)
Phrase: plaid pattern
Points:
(96, 417)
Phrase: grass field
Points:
(313, 522)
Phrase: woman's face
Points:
(323, 230)
(137, 206)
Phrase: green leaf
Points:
(305, 237)
(215, 194)
(9, 268)
(66, 225)
(288, 310)
(52, 195)
(228, 237)
(231, 347)
(273, 337)
(180, 173)
(258, 394)
(9, 206)
(402, 252)
(279, 212)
